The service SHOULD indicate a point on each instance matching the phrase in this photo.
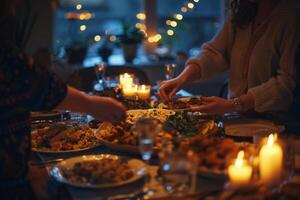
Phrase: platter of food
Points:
(63, 138)
(182, 103)
(176, 126)
(213, 155)
(98, 171)
(121, 137)
(160, 114)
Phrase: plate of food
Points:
(213, 155)
(63, 138)
(190, 124)
(182, 103)
(120, 137)
(98, 171)
(160, 114)
(251, 127)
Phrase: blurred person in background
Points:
(27, 86)
(259, 46)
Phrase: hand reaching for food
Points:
(215, 106)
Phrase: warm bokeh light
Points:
(97, 38)
(141, 16)
(196, 1)
(155, 38)
(78, 7)
(82, 27)
(190, 5)
(178, 16)
(170, 32)
(184, 9)
(112, 38)
(168, 22)
(140, 26)
(173, 23)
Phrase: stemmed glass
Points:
(146, 129)
(100, 71)
(170, 71)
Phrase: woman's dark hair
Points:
(243, 12)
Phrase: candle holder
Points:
(143, 92)
(129, 91)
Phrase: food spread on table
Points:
(181, 103)
(213, 153)
(160, 114)
(96, 172)
(61, 137)
(190, 124)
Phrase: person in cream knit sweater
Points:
(258, 44)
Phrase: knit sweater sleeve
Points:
(214, 56)
(277, 93)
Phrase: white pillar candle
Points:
(270, 162)
(240, 172)
(143, 91)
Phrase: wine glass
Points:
(146, 129)
(170, 71)
(100, 72)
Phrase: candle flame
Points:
(271, 139)
(241, 155)
(240, 159)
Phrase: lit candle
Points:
(270, 161)
(126, 79)
(143, 91)
(240, 172)
(129, 91)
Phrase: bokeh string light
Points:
(173, 22)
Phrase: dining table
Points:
(203, 187)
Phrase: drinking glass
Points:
(178, 173)
(170, 71)
(100, 72)
(146, 129)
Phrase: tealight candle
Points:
(270, 162)
(143, 91)
(129, 91)
(240, 172)
(126, 79)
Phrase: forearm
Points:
(75, 100)
(190, 74)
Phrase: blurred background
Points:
(142, 33)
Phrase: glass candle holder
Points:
(143, 92)
(129, 91)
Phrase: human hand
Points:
(106, 109)
(169, 88)
(215, 106)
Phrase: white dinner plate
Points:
(137, 166)
(251, 128)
